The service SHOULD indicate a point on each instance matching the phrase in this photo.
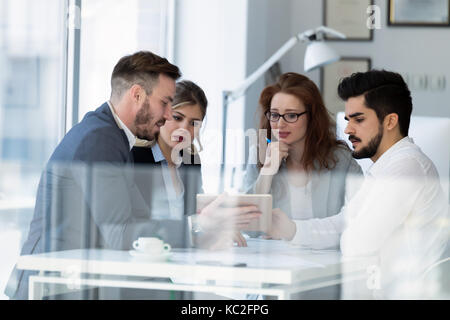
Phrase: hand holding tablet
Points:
(248, 212)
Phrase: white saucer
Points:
(150, 257)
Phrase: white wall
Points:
(269, 27)
(210, 49)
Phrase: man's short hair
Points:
(142, 68)
(385, 92)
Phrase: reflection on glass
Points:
(33, 44)
(32, 64)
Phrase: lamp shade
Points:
(318, 54)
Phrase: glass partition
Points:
(32, 102)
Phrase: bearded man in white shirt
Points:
(399, 213)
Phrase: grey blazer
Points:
(328, 186)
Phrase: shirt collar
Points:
(130, 136)
(157, 153)
(379, 165)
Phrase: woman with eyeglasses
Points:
(304, 166)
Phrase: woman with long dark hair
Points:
(304, 166)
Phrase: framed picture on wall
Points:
(333, 73)
(348, 17)
(424, 13)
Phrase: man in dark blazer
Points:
(87, 197)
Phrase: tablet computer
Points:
(262, 201)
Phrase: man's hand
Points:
(221, 224)
(217, 217)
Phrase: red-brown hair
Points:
(320, 140)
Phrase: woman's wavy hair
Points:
(320, 140)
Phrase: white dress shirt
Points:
(130, 136)
(399, 216)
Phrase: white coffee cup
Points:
(151, 245)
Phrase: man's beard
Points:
(142, 121)
(372, 147)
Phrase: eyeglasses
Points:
(288, 117)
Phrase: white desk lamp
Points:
(317, 54)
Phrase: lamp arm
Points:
(240, 90)
(304, 36)
(337, 34)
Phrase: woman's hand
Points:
(282, 226)
(275, 153)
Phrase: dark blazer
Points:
(87, 197)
